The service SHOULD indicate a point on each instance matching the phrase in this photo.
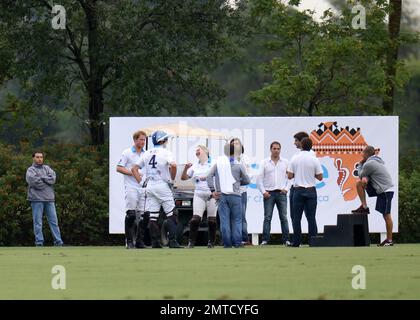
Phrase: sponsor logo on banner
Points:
(254, 171)
(344, 146)
(325, 176)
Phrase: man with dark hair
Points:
(274, 185)
(298, 138)
(305, 169)
(376, 180)
(41, 179)
(134, 193)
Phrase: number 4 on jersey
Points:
(152, 162)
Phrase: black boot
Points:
(174, 244)
(194, 225)
(212, 231)
(139, 242)
(155, 234)
(129, 227)
(140, 234)
(172, 223)
(156, 244)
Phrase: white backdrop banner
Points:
(337, 141)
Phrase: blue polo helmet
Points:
(159, 136)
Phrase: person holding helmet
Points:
(159, 166)
(203, 200)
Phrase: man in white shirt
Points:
(134, 193)
(305, 169)
(273, 184)
(298, 143)
(159, 166)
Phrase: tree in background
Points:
(394, 25)
(148, 57)
(326, 67)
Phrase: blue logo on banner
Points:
(254, 166)
(325, 175)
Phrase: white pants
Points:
(159, 194)
(134, 199)
(201, 202)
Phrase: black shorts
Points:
(383, 202)
(371, 190)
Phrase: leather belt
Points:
(306, 188)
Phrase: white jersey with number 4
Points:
(154, 164)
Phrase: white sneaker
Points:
(263, 243)
(287, 243)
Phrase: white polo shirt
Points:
(273, 176)
(311, 152)
(199, 173)
(154, 164)
(127, 160)
(304, 166)
(292, 181)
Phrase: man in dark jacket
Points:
(41, 179)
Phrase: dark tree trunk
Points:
(96, 123)
(95, 89)
(392, 54)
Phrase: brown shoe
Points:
(361, 210)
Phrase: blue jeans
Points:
(230, 213)
(304, 199)
(244, 201)
(291, 191)
(280, 200)
(38, 207)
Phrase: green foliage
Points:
(324, 67)
(143, 57)
(15, 212)
(21, 121)
(407, 107)
(409, 198)
(81, 195)
(5, 56)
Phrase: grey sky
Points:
(319, 6)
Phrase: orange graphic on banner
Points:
(345, 146)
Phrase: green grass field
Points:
(271, 272)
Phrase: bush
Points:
(409, 198)
(81, 195)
